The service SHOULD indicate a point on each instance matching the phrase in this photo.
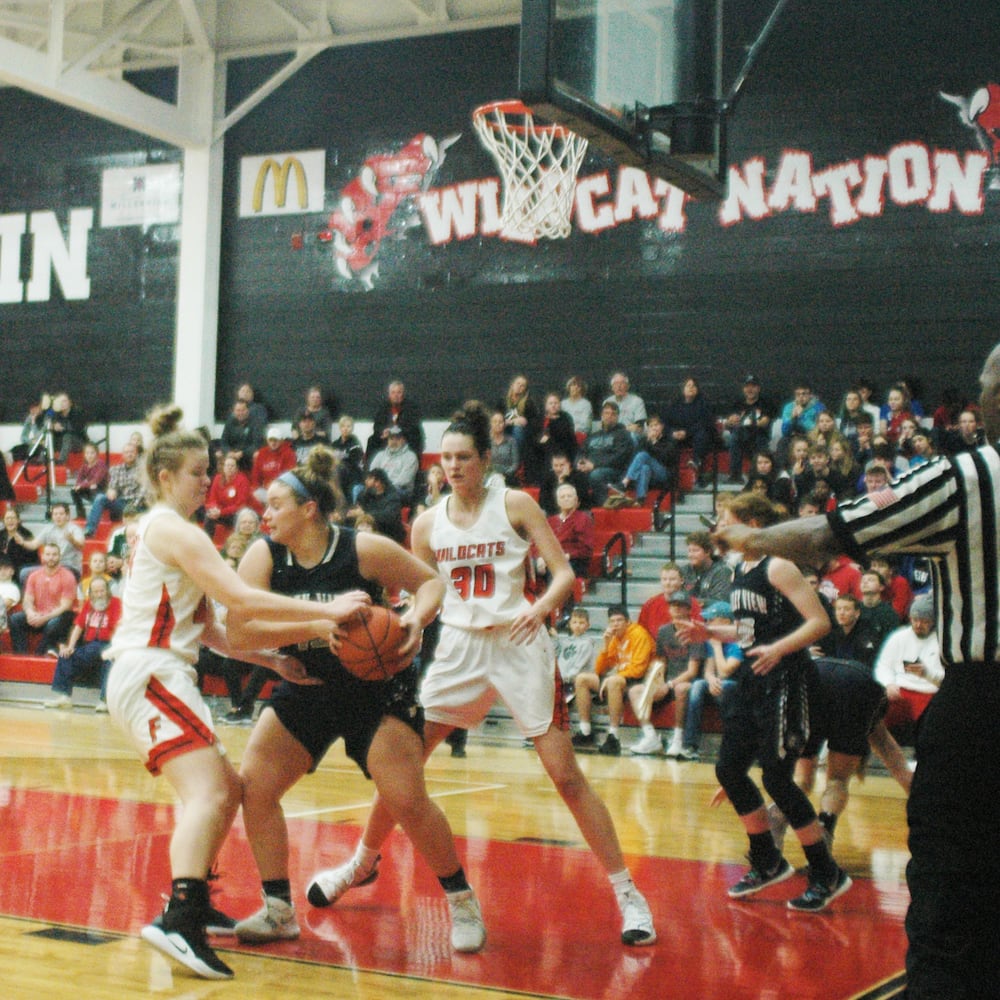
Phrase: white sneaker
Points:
(649, 744)
(274, 921)
(60, 701)
(327, 886)
(468, 932)
(653, 678)
(676, 747)
(637, 920)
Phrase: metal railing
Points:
(612, 569)
(666, 520)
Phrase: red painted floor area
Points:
(553, 923)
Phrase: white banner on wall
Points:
(283, 183)
(141, 196)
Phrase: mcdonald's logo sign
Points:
(290, 183)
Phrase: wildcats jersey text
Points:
(485, 577)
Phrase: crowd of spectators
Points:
(578, 449)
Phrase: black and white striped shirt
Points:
(947, 510)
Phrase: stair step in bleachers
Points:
(29, 679)
(26, 677)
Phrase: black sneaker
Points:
(187, 945)
(582, 739)
(219, 923)
(610, 747)
(755, 880)
(819, 895)
(237, 716)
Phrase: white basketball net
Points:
(538, 165)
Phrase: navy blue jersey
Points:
(777, 702)
(761, 612)
(335, 573)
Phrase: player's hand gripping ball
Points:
(369, 644)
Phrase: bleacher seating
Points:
(39, 670)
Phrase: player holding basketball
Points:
(493, 644)
(777, 617)
(153, 688)
(379, 721)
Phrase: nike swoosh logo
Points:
(179, 943)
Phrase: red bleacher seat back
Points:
(628, 519)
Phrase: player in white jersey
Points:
(152, 688)
(494, 644)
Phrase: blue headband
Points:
(295, 484)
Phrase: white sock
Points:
(365, 856)
(648, 729)
(585, 728)
(613, 731)
(621, 882)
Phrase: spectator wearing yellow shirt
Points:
(622, 662)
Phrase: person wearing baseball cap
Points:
(748, 425)
(669, 678)
(275, 456)
(909, 667)
(715, 683)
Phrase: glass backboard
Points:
(640, 79)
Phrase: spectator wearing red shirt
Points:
(49, 596)
(841, 576)
(898, 591)
(574, 531)
(229, 493)
(89, 480)
(655, 613)
(82, 653)
(275, 456)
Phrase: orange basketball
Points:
(369, 646)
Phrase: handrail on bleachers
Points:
(619, 540)
(667, 520)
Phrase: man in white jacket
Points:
(909, 668)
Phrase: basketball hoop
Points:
(538, 165)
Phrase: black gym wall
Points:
(880, 281)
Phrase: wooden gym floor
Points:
(84, 854)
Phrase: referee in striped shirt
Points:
(948, 510)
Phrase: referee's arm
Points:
(806, 541)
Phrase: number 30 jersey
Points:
(483, 566)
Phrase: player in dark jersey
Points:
(945, 510)
(777, 617)
(380, 722)
(847, 715)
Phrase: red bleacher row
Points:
(627, 521)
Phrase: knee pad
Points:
(742, 792)
(791, 800)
